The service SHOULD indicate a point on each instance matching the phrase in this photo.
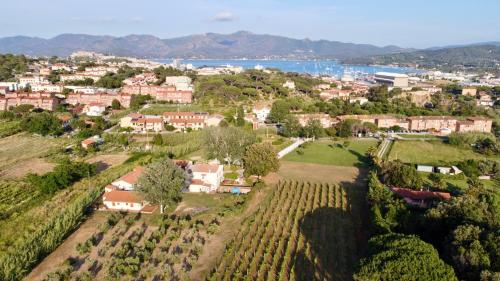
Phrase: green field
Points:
(328, 152)
(431, 153)
(8, 128)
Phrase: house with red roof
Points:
(128, 181)
(421, 198)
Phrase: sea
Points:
(312, 67)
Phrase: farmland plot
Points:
(306, 231)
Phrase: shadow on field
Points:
(335, 238)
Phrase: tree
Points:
(161, 183)
(240, 117)
(313, 129)
(115, 104)
(260, 159)
(227, 143)
(291, 126)
(437, 181)
(467, 253)
(345, 128)
(158, 140)
(279, 111)
(396, 173)
(402, 257)
(42, 123)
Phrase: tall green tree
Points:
(402, 258)
(161, 183)
(260, 159)
(227, 144)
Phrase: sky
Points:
(417, 24)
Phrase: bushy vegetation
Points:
(114, 80)
(43, 123)
(64, 174)
(249, 85)
(10, 65)
(463, 230)
(402, 257)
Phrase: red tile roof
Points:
(420, 195)
(205, 168)
(133, 176)
(123, 196)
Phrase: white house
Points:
(94, 109)
(289, 84)
(121, 200)
(261, 111)
(206, 177)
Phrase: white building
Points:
(32, 80)
(181, 83)
(392, 79)
(121, 200)
(289, 84)
(94, 109)
(261, 111)
(46, 88)
(206, 177)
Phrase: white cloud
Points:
(224, 16)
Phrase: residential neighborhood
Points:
(221, 140)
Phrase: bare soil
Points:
(106, 161)
(19, 170)
(67, 248)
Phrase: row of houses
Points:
(160, 93)
(444, 124)
(179, 120)
(121, 195)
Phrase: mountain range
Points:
(486, 55)
(242, 44)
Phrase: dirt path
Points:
(67, 248)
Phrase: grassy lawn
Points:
(328, 152)
(431, 153)
(413, 136)
(8, 128)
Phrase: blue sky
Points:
(422, 23)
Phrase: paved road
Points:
(291, 147)
(384, 146)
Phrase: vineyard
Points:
(128, 246)
(305, 231)
(14, 195)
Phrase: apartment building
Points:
(432, 123)
(181, 83)
(474, 124)
(47, 88)
(104, 98)
(161, 93)
(43, 100)
(185, 120)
